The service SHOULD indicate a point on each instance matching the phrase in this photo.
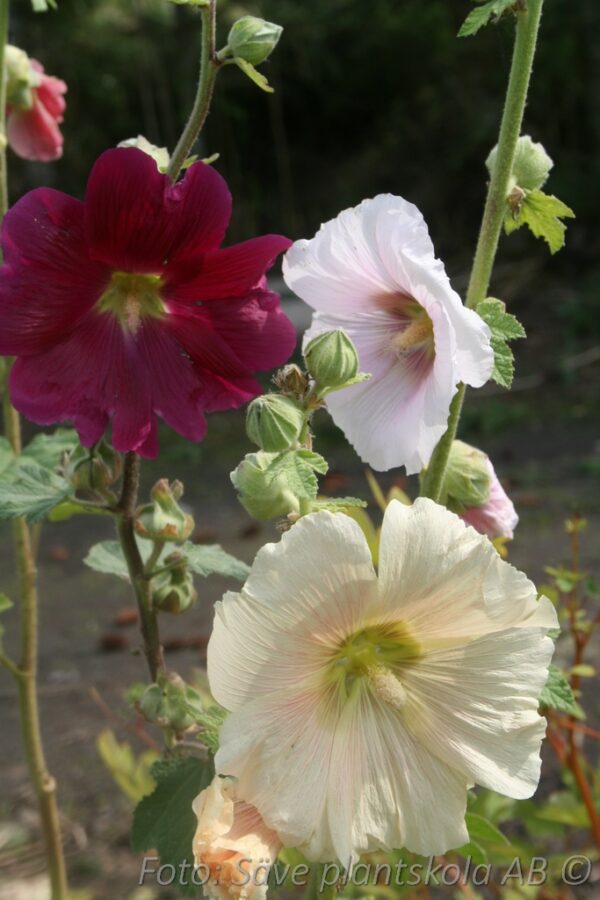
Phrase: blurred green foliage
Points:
(370, 96)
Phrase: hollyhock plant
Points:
(372, 271)
(232, 844)
(35, 108)
(497, 517)
(364, 706)
(124, 307)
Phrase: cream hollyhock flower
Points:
(372, 271)
(232, 843)
(363, 707)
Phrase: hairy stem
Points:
(135, 564)
(527, 27)
(26, 671)
(209, 66)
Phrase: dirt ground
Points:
(546, 446)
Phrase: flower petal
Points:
(34, 133)
(318, 580)
(447, 581)
(476, 707)
(47, 283)
(136, 219)
(224, 274)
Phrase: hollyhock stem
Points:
(209, 66)
(527, 27)
(135, 564)
(25, 672)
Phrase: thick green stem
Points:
(209, 66)
(135, 564)
(527, 27)
(25, 672)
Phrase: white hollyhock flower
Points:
(372, 271)
(233, 848)
(362, 707)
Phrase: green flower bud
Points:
(274, 422)
(163, 519)
(21, 77)
(331, 359)
(171, 703)
(531, 166)
(160, 155)
(93, 470)
(173, 591)
(263, 496)
(253, 39)
(467, 479)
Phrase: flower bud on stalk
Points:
(531, 166)
(163, 519)
(253, 39)
(171, 703)
(261, 495)
(274, 422)
(93, 470)
(173, 591)
(331, 359)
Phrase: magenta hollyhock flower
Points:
(125, 307)
(33, 131)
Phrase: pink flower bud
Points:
(497, 517)
(32, 130)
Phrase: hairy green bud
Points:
(173, 591)
(261, 494)
(163, 519)
(467, 479)
(253, 39)
(531, 166)
(274, 422)
(331, 359)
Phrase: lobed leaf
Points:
(557, 693)
(504, 327)
(482, 14)
(33, 493)
(542, 213)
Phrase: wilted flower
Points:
(35, 108)
(125, 307)
(372, 272)
(232, 843)
(363, 707)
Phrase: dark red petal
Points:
(136, 219)
(91, 376)
(256, 330)
(231, 272)
(47, 283)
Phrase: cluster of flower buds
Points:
(171, 704)
(163, 519)
(280, 480)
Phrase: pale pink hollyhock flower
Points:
(33, 131)
(364, 705)
(372, 271)
(497, 517)
(232, 843)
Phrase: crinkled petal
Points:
(137, 220)
(447, 581)
(48, 283)
(318, 580)
(476, 707)
(224, 274)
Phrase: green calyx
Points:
(131, 298)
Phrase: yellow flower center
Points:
(131, 297)
(373, 653)
(418, 333)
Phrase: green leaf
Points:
(480, 16)
(504, 327)
(297, 468)
(481, 829)
(43, 5)
(210, 559)
(253, 74)
(47, 449)
(475, 852)
(212, 720)
(33, 493)
(107, 557)
(542, 213)
(557, 693)
(131, 772)
(165, 820)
